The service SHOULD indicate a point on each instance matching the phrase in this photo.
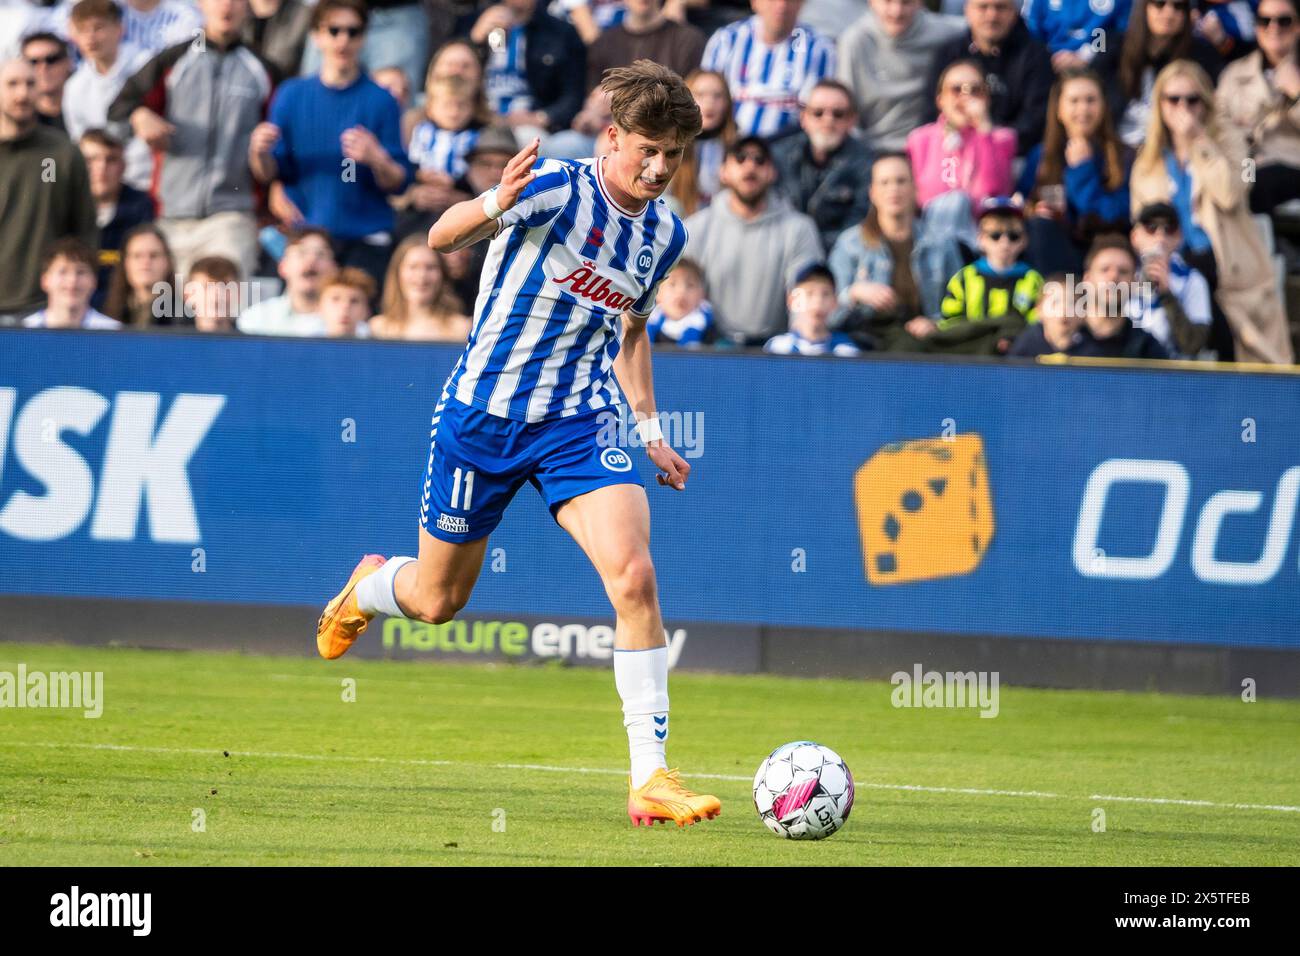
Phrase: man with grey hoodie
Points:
(751, 244)
(885, 58)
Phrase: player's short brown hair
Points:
(1109, 240)
(352, 278)
(69, 248)
(101, 137)
(652, 100)
(215, 269)
(96, 9)
(326, 7)
(690, 267)
(295, 236)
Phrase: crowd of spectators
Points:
(967, 177)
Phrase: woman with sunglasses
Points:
(1195, 164)
(1260, 96)
(1075, 183)
(1159, 32)
(961, 159)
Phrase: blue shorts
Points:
(478, 461)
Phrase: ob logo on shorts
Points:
(615, 459)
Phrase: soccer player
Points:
(579, 248)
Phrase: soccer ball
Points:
(803, 791)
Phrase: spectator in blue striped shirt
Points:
(441, 141)
(771, 62)
(536, 66)
(591, 18)
(154, 25)
(682, 315)
(811, 302)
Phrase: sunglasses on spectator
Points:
(1284, 22)
(758, 159)
(997, 235)
(838, 114)
(1179, 5)
(1191, 99)
(352, 32)
(48, 60)
(1162, 226)
(967, 89)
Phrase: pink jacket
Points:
(979, 166)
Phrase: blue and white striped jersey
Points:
(689, 331)
(792, 343)
(504, 74)
(565, 264)
(166, 24)
(442, 150)
(767, 82)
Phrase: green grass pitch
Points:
(448, 764)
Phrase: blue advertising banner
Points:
(993, 499)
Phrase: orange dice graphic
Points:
(924, 509)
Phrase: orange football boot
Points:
(342, 621)
(663, 798)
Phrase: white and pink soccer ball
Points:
(803, 791)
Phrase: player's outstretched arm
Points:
(636, 378)
(467, 222)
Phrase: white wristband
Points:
(650, 429)
(490, 207)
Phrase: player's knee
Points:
(437, 608)
(633, 585)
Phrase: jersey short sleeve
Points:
(541, 200)
(676, 246)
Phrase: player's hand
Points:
(282, 207)
(976, 111)
(672, 465)
(921, 327)
(1287, 77)
(519, 173)
(432, 177)
(429, 197)
(263, 138)
(152, 128)
(360, 145)
(1156, 270)
(495, 17)
(877, 295)
(1183, 123)
(1077, 150)
(1066, 59)
(1212, 29)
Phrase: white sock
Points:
(375, 594)
(642, 681)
